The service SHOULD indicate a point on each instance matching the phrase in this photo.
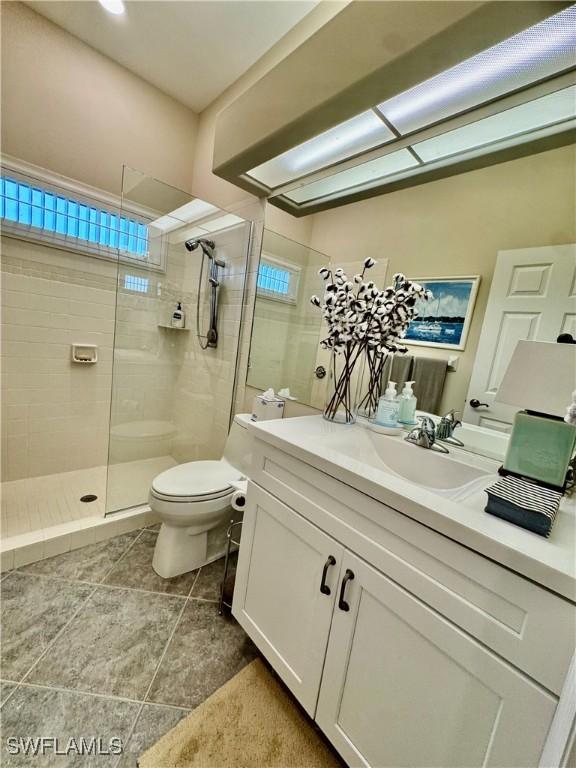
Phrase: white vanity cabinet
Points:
(403, 687)
(404, 657)
(284, 596)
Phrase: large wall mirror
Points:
(531, 294)
(495, 246)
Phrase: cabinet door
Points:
(285, 588)
(402, 686)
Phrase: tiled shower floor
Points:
(94, 643)
(41, 502)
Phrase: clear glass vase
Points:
(341, 389)
(370, 384)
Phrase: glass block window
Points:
(50, 214)
(135, 283)
(276, 281)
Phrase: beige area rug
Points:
(251, 722)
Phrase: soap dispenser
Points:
(178, 317)
(407, 406)
(387, 413)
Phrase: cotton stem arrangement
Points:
(362, 319)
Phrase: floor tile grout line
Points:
(130, 733)
(198, 572)
(58, 635)
(140, 591)
(93, 694)
(110, 586)
(9, 696)
(122, 556)
(172, 633)
(80, 692)
(157, 668)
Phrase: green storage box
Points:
(540, 448)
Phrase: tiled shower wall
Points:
(203, 388)
(54, 414)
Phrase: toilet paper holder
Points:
(233, 535)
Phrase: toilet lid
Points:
(196, 478)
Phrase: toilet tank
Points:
(238, 449)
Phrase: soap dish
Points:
(84, 354)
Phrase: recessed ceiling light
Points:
(113, 6)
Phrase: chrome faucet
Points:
(446, 427)
(424, 435)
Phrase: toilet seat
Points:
(191, 499)
(195, 481)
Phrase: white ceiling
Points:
(190, 49)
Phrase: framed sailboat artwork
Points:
(444, 321)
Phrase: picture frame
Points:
(444, 321)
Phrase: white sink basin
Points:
(438, 472)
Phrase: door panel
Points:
(404, 687)
(277, 597)
(532, 297)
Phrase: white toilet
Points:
(193, 501)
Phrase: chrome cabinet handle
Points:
(342, 604)
(324, 588)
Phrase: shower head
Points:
(206, 245)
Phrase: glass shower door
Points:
(171, 397)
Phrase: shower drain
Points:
(88, 497)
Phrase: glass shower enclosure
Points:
(100, 392)
(172, 387)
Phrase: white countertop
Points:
(550, 562)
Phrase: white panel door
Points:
(285, 589)
(533, 296)
(402, 686)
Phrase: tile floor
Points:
(95, 644)
(42, 502)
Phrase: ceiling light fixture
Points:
(520, 91)
(358, 176)
(558, 107)
(536, 53)
(360, 133)
(113, 6)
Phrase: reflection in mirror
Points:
(511, 225)
(286, 330)
(532, 295)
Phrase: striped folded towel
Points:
(524, 503)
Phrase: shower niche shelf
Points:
(171, 327)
